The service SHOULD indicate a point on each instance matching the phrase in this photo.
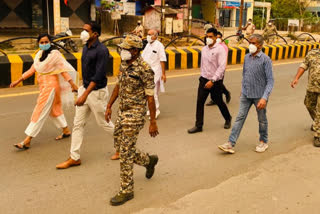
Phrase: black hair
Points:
(212, 30)
(44, 35)
(95, 27)
(47, 52)
(219, 33)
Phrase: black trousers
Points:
(216, 95)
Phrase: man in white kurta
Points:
(155, 55)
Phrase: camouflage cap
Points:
(131, 41)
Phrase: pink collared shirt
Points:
(213, 62)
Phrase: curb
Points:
(13, 66)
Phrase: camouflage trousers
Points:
(125, 135)
(312, 103)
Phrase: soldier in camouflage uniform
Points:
(135, 88)
(312, 99)
(269, 30)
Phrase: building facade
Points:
(33, 14)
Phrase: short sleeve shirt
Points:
(136, 82)
(312, 63)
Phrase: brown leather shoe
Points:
(68, 163)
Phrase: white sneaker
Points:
(262, 147)
(227, 147)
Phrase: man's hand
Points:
(81, 100)
(262, 104)
(107, 115)
(164, 78)
(208, 85)
(294, 83)
(153, 129)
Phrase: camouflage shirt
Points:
(136, 82)
(312, 63)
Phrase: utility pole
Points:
(262, 20)
(48, 16)
(163, 23)
(189, 16)
(241, 15)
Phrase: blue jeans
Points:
(245, 105)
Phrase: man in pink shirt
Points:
(224, 89)
(213, 65)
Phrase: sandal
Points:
(116, 156)
(21, 146)
(62, 136)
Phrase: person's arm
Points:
(297, 77)
(153, 128)
(24, 76)
(270, 82)
(68, 78)
(82, 99)
(163, 66)
(113, 98)
(147, 77)
(302, 68)
(163, 60)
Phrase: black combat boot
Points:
(121, 198)
(316, 142)
(150, 167)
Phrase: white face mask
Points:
(252, 48)
(209, 41)
(249, 23)
(270, 24)
(149, 39)
(125, 55)
(84, 36)
(219, 41)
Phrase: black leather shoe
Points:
(316, 142)
(150, 168)
(312, 129)
(121, 198)
(211, 103)
(227, 124)
(228, 97)
(194, 130)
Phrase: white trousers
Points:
(95, 103)
(156, 94)
(34, 128)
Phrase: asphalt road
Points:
(30, 183)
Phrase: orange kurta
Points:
(47, 83)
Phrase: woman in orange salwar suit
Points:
(55, 76)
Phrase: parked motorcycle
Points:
(68, 43)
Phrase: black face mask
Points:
(139, 24)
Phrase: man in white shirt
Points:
(155, 55)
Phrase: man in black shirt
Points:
(93, 94)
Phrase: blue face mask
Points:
(45, 47)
